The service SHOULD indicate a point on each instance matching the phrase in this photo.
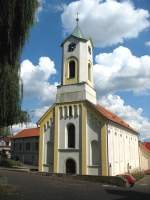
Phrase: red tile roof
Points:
(147, 145)
(142, 146)
(30, 132)
(111, 116)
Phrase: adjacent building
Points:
(5, 146)
(77, 135)
(25, 146)
(144, 152)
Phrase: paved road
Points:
(31, 186)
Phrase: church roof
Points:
(30, 132)
(147, 145)
(77, 32)
(113, 117)
(143, 147)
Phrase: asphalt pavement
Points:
(29, 186)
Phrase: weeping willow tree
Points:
(16, 19)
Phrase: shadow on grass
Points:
(129, 194)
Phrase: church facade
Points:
(77, 135)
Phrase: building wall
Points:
(123, 155)
(46, 143)
(144, 159)
(20, 152)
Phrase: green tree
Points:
(16, 19)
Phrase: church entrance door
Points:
(70, 166)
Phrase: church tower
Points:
(77, 69)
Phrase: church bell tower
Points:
(77, 69)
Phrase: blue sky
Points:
(120, 31)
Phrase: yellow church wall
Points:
(56, 139)
(46, 117)
(67, 80)
(84, 122)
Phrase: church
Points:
(77, 135)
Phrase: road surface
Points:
(29, 186)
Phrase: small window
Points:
(20, 147)
(48, 124)
(36, 146)
(28, 146)
(45, 128)
(70, 111)
(71, 69)
(65, 109)
(75, 111)
(89, 71)
(89, 49)
(60, 112)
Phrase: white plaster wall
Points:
(63, 151)
(122, 150)
(63, 156)
(75, 92)
(144, 159)
(93, 133)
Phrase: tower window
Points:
(72, 69)
(71, 136)
(89, 71)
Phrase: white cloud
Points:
(122, 71)
(147, 43)
(38, 112)
(36, 81)
(18, 127)
(39, 9)
(133, 116)
(106, 22)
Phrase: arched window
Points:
(94, 153)
(72, 69)
(71, 135)
(89, 71)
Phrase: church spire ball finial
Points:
(77, 19)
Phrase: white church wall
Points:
(80, 92)
(64, 152)
(93, 134)
(123, 155)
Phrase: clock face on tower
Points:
(71, 47)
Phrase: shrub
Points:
(138, 175)
(10, 163)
